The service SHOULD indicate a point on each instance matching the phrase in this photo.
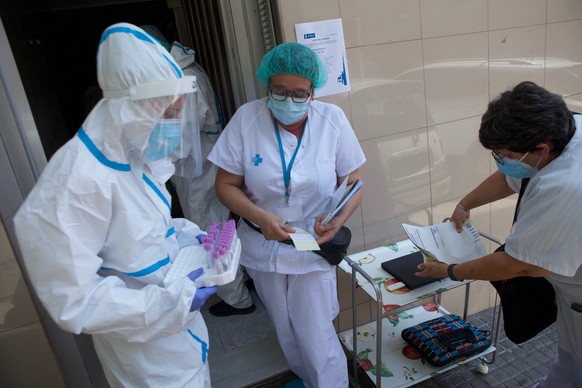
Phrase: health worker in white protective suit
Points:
(96, 234)
(198, 196)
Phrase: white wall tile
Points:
(303, 11)
(397, 176)
(458, 162)
(387, 96)
(379, 21)
(516, 55)
(456, 76)
(516, 13)
(31, 361)
(574, 103)
(390, 230)
(452, 17)
(343, 101)
(562, 10)
(563, 60)
(479, 216)
(16, 307)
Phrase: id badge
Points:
(290, 213)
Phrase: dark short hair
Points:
(521, 118)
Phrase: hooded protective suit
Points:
(96, 235)
(197, 196)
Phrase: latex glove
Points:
(202, 293)
(200, 237)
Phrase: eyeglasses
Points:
(498, 157)
(296, 95)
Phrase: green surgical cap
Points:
(292, 58)
(157, 34)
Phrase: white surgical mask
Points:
(288, 111)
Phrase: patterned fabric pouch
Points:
(445, 339)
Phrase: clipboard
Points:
(403, 269)
(348, 194)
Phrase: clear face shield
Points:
(176, 135)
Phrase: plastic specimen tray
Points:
(195, 256)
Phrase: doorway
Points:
(54, 43)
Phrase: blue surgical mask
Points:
(516, 168)
(288, 111)
(164, 139)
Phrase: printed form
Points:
(443, 243)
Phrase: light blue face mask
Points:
(164, 139)
(515, 167)
(288, 111)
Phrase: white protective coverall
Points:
(97, 238)
(197, 196)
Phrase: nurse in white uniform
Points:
(96, 234)
(533, 135)
(280, 159)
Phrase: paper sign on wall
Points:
(326, 38)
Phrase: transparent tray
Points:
(195, 256)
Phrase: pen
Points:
(284, 223)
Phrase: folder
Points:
(348, 194)
(403, 269)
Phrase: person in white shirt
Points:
(532, 134)
(280, 159)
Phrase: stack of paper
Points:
(443, 243)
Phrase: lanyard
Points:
(287, 169)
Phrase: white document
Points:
(303, 241)
(443, 242)
(326, 38)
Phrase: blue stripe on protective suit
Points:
(143, 272)
(157, 191)
(140, 35)
(171, 231)
(202, 343)
(98, 154)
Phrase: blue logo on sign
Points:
(309, 36)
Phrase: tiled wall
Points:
(30, 361)
(422, 73)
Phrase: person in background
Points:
(96, 235)
(280, 159)
(532, 134)
(197, 195)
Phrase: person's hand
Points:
(275, 228)
(202, 293)
(460, 215)
(436, 270)
(326, 232)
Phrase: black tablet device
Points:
(403, 269)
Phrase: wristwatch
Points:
(450, 273)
